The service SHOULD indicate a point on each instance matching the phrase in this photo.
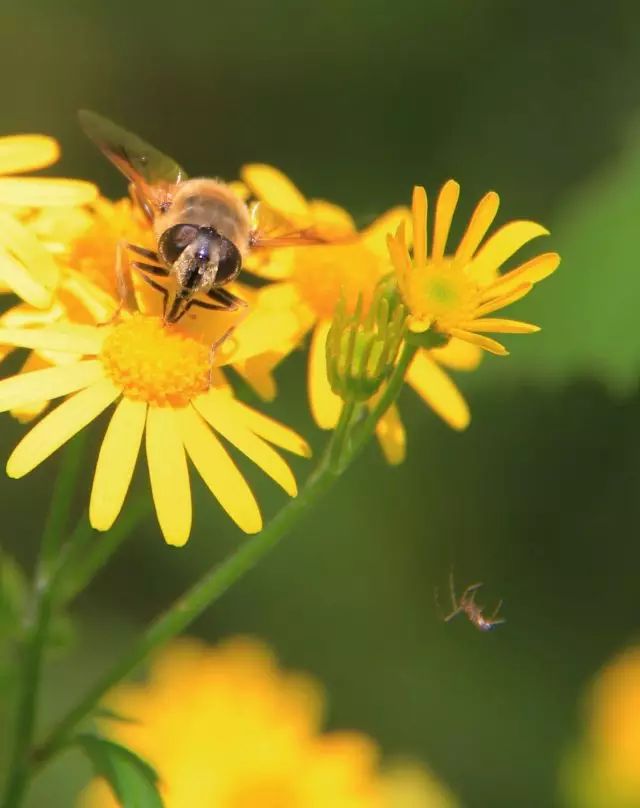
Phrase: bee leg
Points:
(124, 283)
(142, 251)
(230, 301)
(158, 287)
(203, 304)
(152, 269)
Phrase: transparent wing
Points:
(272, 230)
(153, 173)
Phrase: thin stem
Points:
(340, 433)
(37, 624)
(219, 579)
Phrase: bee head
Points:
(204, 245)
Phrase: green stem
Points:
(219, 579)
(337, 448)
(37, 624)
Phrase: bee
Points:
(203, 230)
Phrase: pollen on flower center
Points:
(328, 273)
(440, 290)
(156, 363)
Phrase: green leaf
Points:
(133, 781)
(588, 309)
(13, 595)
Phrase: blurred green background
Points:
(357, 101)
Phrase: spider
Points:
(467, 605)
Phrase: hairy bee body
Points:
(210, 203)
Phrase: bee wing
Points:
(153, 173)
(272, 230)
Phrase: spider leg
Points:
(495, 614)
(452, 589)
(453, 614)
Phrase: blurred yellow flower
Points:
(604, 771)
(160, 377)
(225, 727)
(26, 266)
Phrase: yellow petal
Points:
(267, 428)
(501, 301)
(436, 388)
(375, 236)
(19, 280)
(445, 208)
(273, 187)
(419, 210)
(325, 404)
(480, 222)
(247, 442)
(28, 412)
(116, 462)
(392, 436)
(259, 376)
(400, 259)
(21, 243)
(499, 326)
(219, 472)
(486, 343)
(98, 303)
(60, 425)
(331, 220)
(20, 153)
(40, 385)
(169, 474)
(533, 271)
(69, 337)
(36, 192)
(458, 355)
(501, 246)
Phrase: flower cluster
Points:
(225, 726)
(169, 384)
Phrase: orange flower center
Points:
(156, 363)
(323, 274)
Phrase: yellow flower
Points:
(225, 727)
(83, 244)
(311, 280)
(605, 771)
(451, 294)
(26, 266)
(160, 378)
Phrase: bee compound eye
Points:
(174, 240)
(229, 262)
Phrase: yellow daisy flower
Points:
(83, 244)
(451, 294)
(311, 280)
(26, 266)
(160, 379)
(254, 738)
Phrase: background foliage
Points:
(357, 101)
